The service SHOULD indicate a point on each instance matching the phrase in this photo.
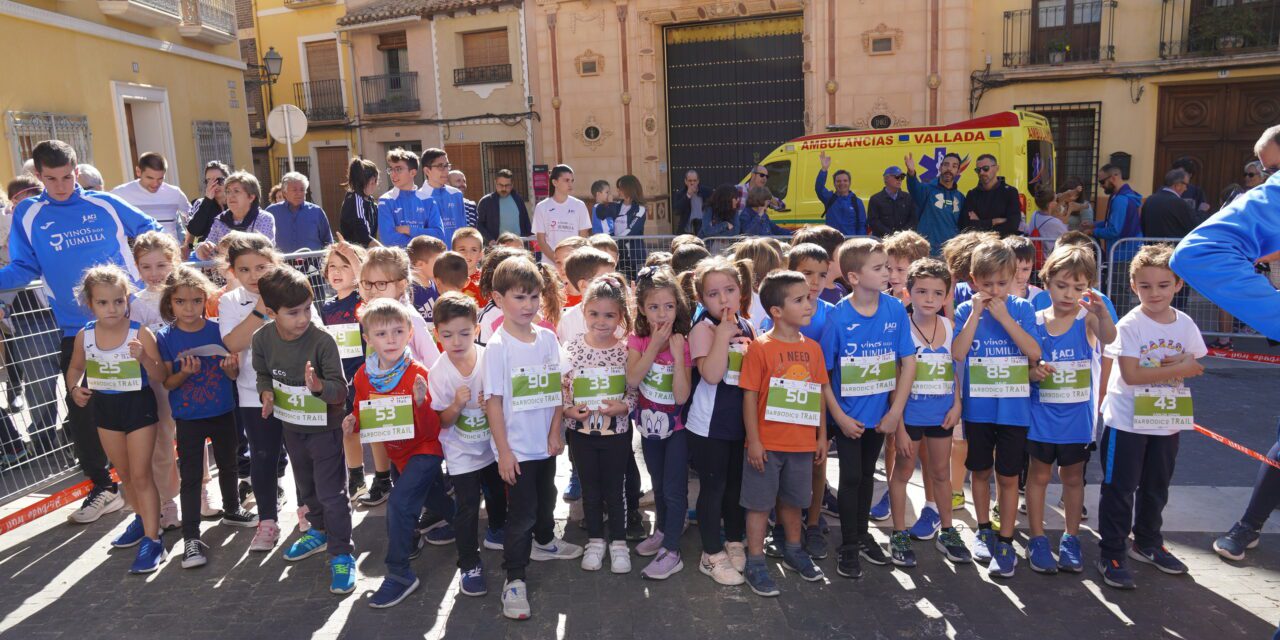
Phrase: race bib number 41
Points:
(793, 402)
(384, 419)
(1005, 377)
(1070, 383)
(867, 375)
(535, 388)
(935, 375)
(116, 372)
(348, 338)
(296, 405)
(1163, 408)
(591, 387)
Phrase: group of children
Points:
(468, 371)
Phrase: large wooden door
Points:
(1217, 125)
(332, 166)
(466, 158)
(509, 156)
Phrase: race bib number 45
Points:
(1070, 383)
(116, 372)
(867, 375)
(296, 405)
(591, 387)
(1163, 408)
(1005, 377)
(935, 375)
(535, 388)
(472, 426)
(384, 419)
(793, 402)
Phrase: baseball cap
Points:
(893, 171)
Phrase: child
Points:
(662, 322)
(1062, 409)
(300, 383)
(508, 239)
(451, 274)
(684, 239)
(341, 266)
(118, 393)
(1050, 219)
(468, 242)
(423, 253)
(996, 332)
(830, 239)
(932, 412)
(658, 259)
(904, 248)
(562, 253)
(717, 343)
(597, 408)
(581, 268)
(1145, 408)
(392, 406)
(525, 407)
(1025, 251)
(764, 258)
(457, 392)
(490, 314)
(602, 201)
(199, 370)
(783, 382)
(606, 243)
(869, 352)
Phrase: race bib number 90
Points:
(115, 372)
(296, 405)
(535, 388)
(1163, 408)
(1004, 377)
(1070, 383)
(388, 418)
(867, 375)
(793, 402)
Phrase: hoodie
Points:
(939, 209)
(398, 208)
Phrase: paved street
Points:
(65, 581)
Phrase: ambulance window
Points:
(779, 176)
(1039, 164)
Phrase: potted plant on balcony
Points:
(1225, 29)
(1058, 50)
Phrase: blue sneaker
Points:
(1003, 561)
(1115, 574)
(344, 576)
(311, 543)
(493, 538)
(1160, 558)
(801, 563)
(927, 525)
(151, 555)
(441, 535)
(132, 535)
(984, 545)
(830, 505)
(880, 511)
(760, 581)
(393, 591)
(1039, 556)
(1069, 558)
(472, 583)
(573, 492)
(1233, 545)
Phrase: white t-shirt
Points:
(145, 308)
(233, 307)
(464, 451)
(1138, 336)
(490, 321)
(527, 429)
(422, 344)
(559, 221)
(165, 205)
(757, 312)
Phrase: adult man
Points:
(687, 204)
(842, 208)
(402, 212)
(993, 205)
(1193, 194)
(446, 199)
(503, 210)
(89, 178)
(759, 178)
(57, 236)
(153, 196)
(1166, 213)
(458, 180)
(205, 210)
(938, 201)
(299, 224)
(1123, 210)
(890, 210)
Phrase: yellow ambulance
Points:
(1020, 141)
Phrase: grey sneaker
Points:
(515, 600)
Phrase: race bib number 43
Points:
(296, 405)
(348, 338)
(1070, 383)
(867, 375)
(384, 419)
(1005, 377)
(935, 375)
(793, 402)
(535, 388)
(591, 387)
(1162, 408)
(116, 372)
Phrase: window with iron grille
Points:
(1075, 128)
(213, 142)
(301, 164)
(26, 129)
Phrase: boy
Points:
(393, 406)
(468, 242)
(457, 392)
(566, 247)
(868, 349)
(783, 383)
(996, 334)
(508, 239)
(903, 247)
(301, 383)
(601, 200)
(451, 274)
(605, 242)
(830, 240)
(1025, 252)
(403, 214)
(1145, 408)
(580, 268)
(423, 252)
(522, 369)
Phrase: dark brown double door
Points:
(1217, 125)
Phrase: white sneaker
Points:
(97, 504)
(206, 509)
(557, 549)
(169, 516)
(619, 557)
(718, 567)
(266, 537)
(737, 553)
(593, 556)
(515, 600)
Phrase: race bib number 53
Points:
(793, 402)
(388, 418)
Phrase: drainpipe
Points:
(345, 39)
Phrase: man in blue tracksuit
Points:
(402, 213)
(842, 208)
(444, 198)
(57, 236)
(939, 201)
(1123, 213)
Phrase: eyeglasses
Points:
(440, 166)
(983, 169)
(378, 285)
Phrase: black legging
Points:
(719, 467)
(857, 469)
(1266, 492)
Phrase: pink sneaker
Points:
(650, 546)
(663, 566)
(303, 523)
(169, 516)
(267, 536)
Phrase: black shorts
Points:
(124, 412)
(1007, 442)
(916, 433)
(1063, 454)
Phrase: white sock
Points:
(930, 505)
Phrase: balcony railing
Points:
(155, 13)
(1218, 27)
(299, 4)
(390, 93)
(1068, 33)
(321, 100)
(482, 75)
(212, 21)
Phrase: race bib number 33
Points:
(1163, 408)
(535, 388)
(388, 418)
(296, 405)
(591, 387)
(1005, 377)
(793, 402)
(117, 372)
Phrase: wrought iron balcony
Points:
(1218, 27)
(155, 13)
(321, 100)
(390, 93)
(482, 75)
(302, 4)
(212, 21)
(1074, 31)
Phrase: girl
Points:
(764, 259)
(754, 220)
(341, 263)
(717, 343)
(198, 374)
(720, 216)
(560, 215)
(491, 316)
(598, 402)
(662, 321)
(359, 221)
(120, 358)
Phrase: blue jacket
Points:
(398, 208)
(712, 228)
(845, 213)
(305, 228)
(751, 223)
(58, 241)
(602, 216)
(1217, 258)
(939, 209)
(453, 211)
(1123, 221)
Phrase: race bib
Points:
(658, 385)
(296, 405)
(733, 374)
(591, 387)
(1070, 383)
(793, 402)
(114, 372)
(1003, 377)
(1162, 408)
(935, 375)
(472, 426)
(536, 387)
(388, 418)
(867, 375)
(348, 339)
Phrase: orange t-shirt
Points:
(767, 358)
(572, 300)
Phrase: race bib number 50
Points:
(793, 402)
(1005, 377)
(535, 387)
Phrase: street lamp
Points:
(273, 62)
(265, 74)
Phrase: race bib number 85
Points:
(1004, 377)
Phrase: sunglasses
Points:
(1104, 180)
(763, 175)
(897, 177)
(218, 180)
(982, 169)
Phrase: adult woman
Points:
(629, 221)
(755, 218)
(207, 208)
(359, 221)
(720, 216)
(242, 214)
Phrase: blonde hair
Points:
(740, 271)
(1073, 261)
(393, 261)
(603, 242)
(610, 287)
(384, 311)
(992, 257)
(1153, 255)
(906, 244)
(183, 276)
(572, 243)
(331, 253)
(763, 254)
(157, 241)
(958, 252)
(466, 232)
(103, 275)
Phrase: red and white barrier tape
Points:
(1229, 354)
(1221, 439)
(67, 496)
